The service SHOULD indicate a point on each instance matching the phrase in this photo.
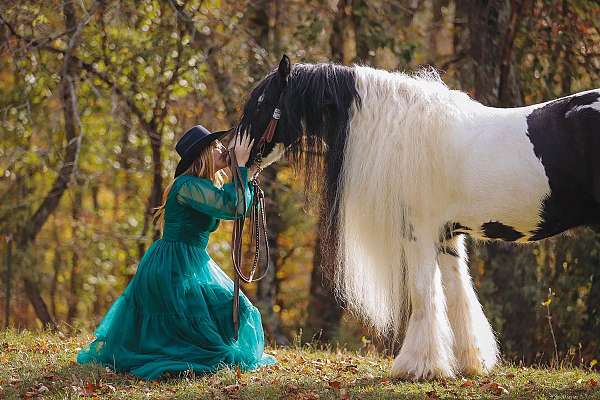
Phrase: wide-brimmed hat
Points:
(191, 144)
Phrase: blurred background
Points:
(94, 95)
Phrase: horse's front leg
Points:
(427, 348)
(475, 346)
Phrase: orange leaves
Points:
(592, 382)
(494, 388)
(335, 384)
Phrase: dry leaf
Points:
(231, 388)
(308, 396)
(292, 388)
(495, 388)
(467, 384)
(335, 384)
(432, 395)
(344, 394)
(592, 382)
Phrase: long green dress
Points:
(176, 313)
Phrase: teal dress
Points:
(176, 313)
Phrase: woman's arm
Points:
(223, 203)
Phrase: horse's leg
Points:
(475, 346)
(427, 348)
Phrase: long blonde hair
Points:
(203, 167)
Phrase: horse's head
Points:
(265, 115)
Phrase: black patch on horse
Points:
(452, 229)
(498, 230)
(566, 139)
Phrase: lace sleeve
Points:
(221, 203)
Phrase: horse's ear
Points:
(285, 66)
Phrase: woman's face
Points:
(219, 155)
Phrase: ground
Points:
(41, 365)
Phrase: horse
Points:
(407, 168)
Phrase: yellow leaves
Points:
(547, 302)
(593, 363)
(40, 19)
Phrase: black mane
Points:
(316, 108)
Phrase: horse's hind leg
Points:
(475, 346)
(427, 348)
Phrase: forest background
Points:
(94, 95)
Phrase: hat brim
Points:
(195, 150)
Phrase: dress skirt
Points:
(176, 315)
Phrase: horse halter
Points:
(269, 132)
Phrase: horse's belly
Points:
(514, 220)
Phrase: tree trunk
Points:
(72, 128)
(57, 264)
(9, 246)
(73, 299)
(343, 34)
(493, 24)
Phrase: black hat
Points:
(191, 144)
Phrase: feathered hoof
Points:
(477, 363)
(415, 369)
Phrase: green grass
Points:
(41, 365)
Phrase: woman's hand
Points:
(242, 147)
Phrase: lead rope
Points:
(258, 226)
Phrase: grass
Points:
(41, 365)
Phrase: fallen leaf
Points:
(495, 388)
(308, 396)
(89, 390)
(351, 367)
(467, 384)
(335, 384)
(432, 395)
(231, 388)
(344, 394)
(510, 375)
(292, 388)
(592, 382)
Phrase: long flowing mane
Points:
(316, 111)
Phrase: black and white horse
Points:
(410, 166)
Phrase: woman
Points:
(176, 313)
